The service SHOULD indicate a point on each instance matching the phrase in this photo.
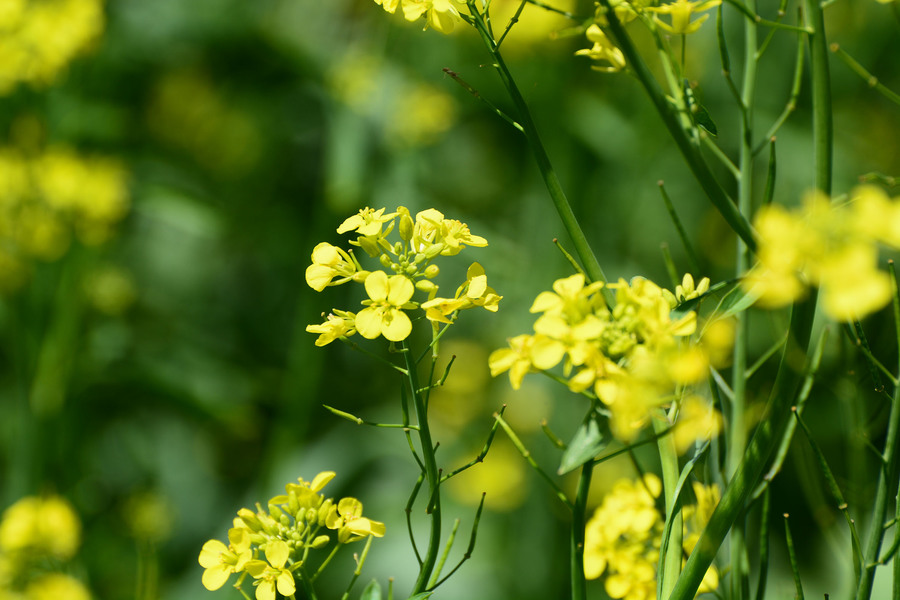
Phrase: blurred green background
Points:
(163, 379)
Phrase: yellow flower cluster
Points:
(442, 15)
(635, 356)
(623, 537)
(38, 38)
(46, 196)
(408, 267)
(607, 55)
(831, 246)
(35, 532)
(294, 524)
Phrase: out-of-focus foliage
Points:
(166, 169)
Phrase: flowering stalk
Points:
(432, 476)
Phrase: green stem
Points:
(887, 485)
(432, 476)
(670, 117)
(737, 440)
(579, 585)
(670, 564)
(778, 410)
(557, 195)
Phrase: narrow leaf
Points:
(371, 591)
(588, 442)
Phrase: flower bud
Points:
(275, 511)
(293, 503)
(250, 519)
(423, 285)
(411, 270)
(431, 271)
(434, 250)
(311, 515)
(385, 261)
(323, 511)
(300, 515)
(360, 276)
(398, 248)
(406, 223)
(320, 542)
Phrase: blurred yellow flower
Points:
(681, 12)
(38, 39)
(442, 15)
(56, 586)
(603, 51)
(45, 525)
(833, 247)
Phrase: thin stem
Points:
(579, 519)
(671, 119)
(670, 563)
(554, 187)
(860, 70)
(432, 476)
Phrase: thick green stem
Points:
(670, 564)
(432, 476)
(737, 440)
(579, 586)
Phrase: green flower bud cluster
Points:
(406, 266)
(272, 545)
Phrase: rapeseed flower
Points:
(634, 356)
(831, 246)
(46, 526)
(407, 267)
(623, 537)
(442, 15)
(681, 12)
(271, 545)
(603, 51)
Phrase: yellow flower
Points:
(441, 15)
(45, 525)
(433, 234)
(388, 5)
(384, 314)
(271, 574)
(619, 538)
(830, 246)
(474, 292)
(681, 12)
(338, 324)
(696, 421)
(602, 51)
(346, 517)
(220, 561)
(56, 586)
(516, 359)
(368, 222)
(329, 262)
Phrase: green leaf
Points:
(699, 114)
(735, 301)
(372, 591)
(587, 443)
(421, 596)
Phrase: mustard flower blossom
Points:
(47, 526)
(474, 292)
(388, 5)
(271, 573)
(603, 51)
(681, 12)
(833, 247)
(632, 356)
(338, 324)
(284, 534)
(329, 262)
(442, 15)
(384, 314)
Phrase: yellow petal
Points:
(211, 554)
(396, 326)
(215, 577)
(377, 286)
(277, 553)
